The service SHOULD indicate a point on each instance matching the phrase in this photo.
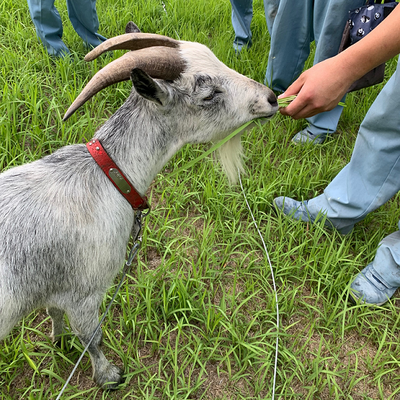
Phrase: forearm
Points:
(321, 87)
(378, 46)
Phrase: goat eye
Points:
(212, 95)
(209, 97)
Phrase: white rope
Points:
(166, 13)
(274, 286)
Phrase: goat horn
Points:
(159, 62)
(131, 41)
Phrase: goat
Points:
(64, 227)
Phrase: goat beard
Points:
(230, 155)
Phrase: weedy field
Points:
(196, 318)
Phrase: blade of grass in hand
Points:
(285, 101)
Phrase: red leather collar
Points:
(116, 176)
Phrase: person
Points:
(47, 21)
(242, 14)
(372, 176)
(292, 26)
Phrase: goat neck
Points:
(139, 149)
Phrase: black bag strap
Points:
(372, 2)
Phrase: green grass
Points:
(196, 317)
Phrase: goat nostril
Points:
(272, 100)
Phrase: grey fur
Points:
(64, 228)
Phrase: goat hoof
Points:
(110, 378)
(56, 340)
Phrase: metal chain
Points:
(137, 241)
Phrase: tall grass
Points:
(196, 317)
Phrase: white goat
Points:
(64, 227)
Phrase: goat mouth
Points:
(266, 116)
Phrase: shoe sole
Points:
(357, 301)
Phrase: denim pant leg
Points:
(387, 259)
(322, 20)
(330, 17)
(371, 177)
(83, 16)
(291, 36)
(270, 9)
(242, 14)
(48, 26)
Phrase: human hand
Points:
(321, 87)
(318, 89)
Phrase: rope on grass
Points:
(166, 13)
(274, 286)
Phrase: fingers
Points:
(294, 109)
(300, 113)
(300, 108)
(318, 89)
(311, 100)
(293, 89)
(297, 105)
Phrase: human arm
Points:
(322, 87)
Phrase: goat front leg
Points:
(10, 312)
(84, 322)
(57, 317)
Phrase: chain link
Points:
(137, 240)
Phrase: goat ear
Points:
(131, 27)
(147, 87)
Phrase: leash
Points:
(166, 13)
(137, 241)
(274, 286)
(119, 180)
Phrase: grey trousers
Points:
(293, 25)
(47, 21)
(371, 178)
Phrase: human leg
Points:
(83, 16)
(329, 19)
(371, 177)
(298, 210)
(48, 26)
(377, 283)
(290, 48)
(271, 9)
(290, 43)
(242, 14)
(320, 126)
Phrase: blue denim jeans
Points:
(293, 25)
(296, 25)
(47, 21)
(372, 176)
(242, 14)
